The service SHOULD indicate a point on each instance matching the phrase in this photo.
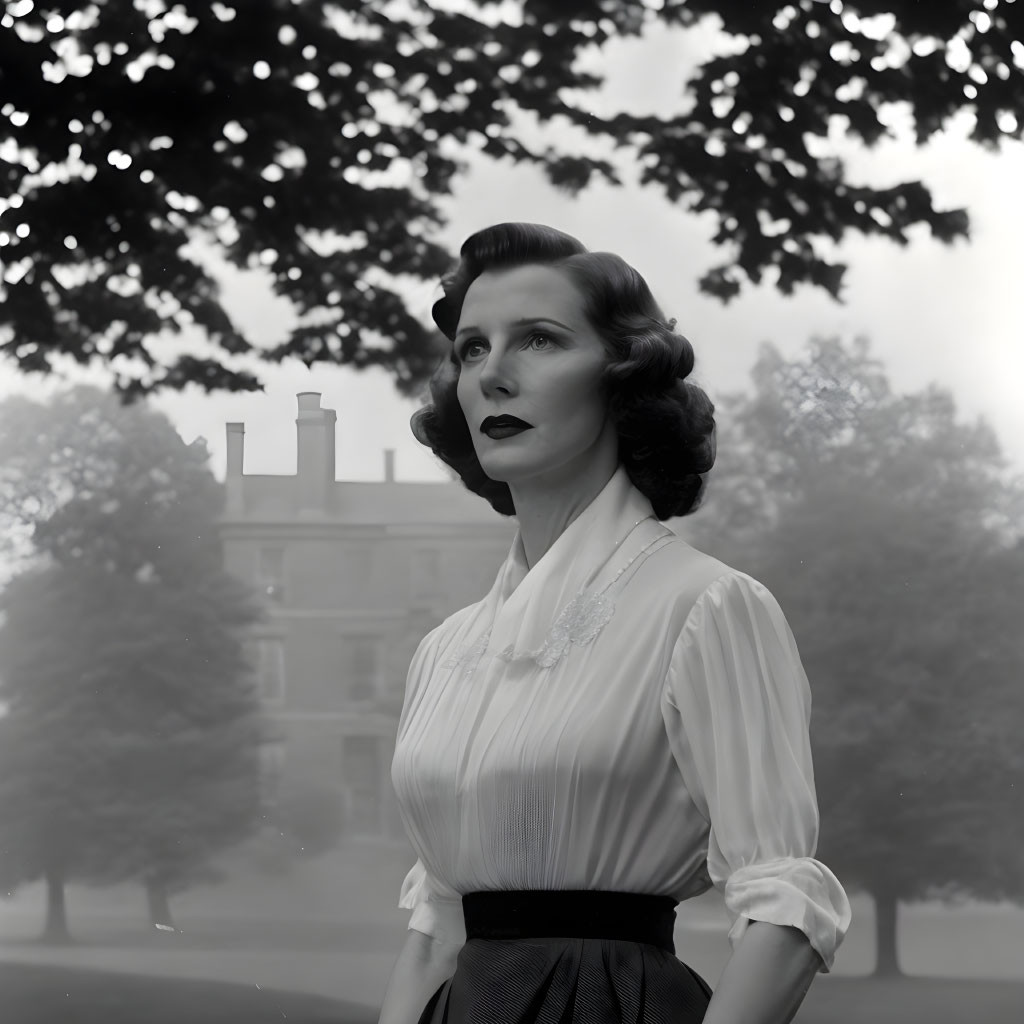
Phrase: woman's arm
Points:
(766, 978)
(422, 967)
(737, 705)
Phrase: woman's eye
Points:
(464, 352)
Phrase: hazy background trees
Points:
(129, 750)
(892, 533)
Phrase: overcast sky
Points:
(946, 314)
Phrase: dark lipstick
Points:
(503, 426)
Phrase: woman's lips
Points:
(499, 432)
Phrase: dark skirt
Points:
(577, 976)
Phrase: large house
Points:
(354, 574)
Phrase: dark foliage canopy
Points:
(314, 139)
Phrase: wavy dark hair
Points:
(665, 424)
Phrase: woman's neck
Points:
(545, 511)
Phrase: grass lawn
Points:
(53, 995)
(912, 1001)
(61, 995)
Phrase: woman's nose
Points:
(497, 371)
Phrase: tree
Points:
(130, 749)
(314, 139)
(890, 533)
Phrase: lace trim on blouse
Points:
(469, 654)
(579, 623)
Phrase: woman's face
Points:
(527, 350)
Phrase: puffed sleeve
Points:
(439, 917)
(738, 708)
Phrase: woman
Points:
(622, 721)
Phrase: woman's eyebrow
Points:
(524, 322)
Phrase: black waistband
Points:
(571, 913)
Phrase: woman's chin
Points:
(508, 470)
(500, 471)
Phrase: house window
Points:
(362, 666)
(270, 572)
(361, 770)
(270, 669)
(424, 573)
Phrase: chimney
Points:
(235, 504)
(389, 465)
(315, 430)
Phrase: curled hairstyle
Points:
(664, 423)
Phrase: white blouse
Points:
(629, 714)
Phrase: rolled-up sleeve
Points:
(435, 915)
(738, 710)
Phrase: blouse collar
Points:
(591, 532)
(526, 601)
